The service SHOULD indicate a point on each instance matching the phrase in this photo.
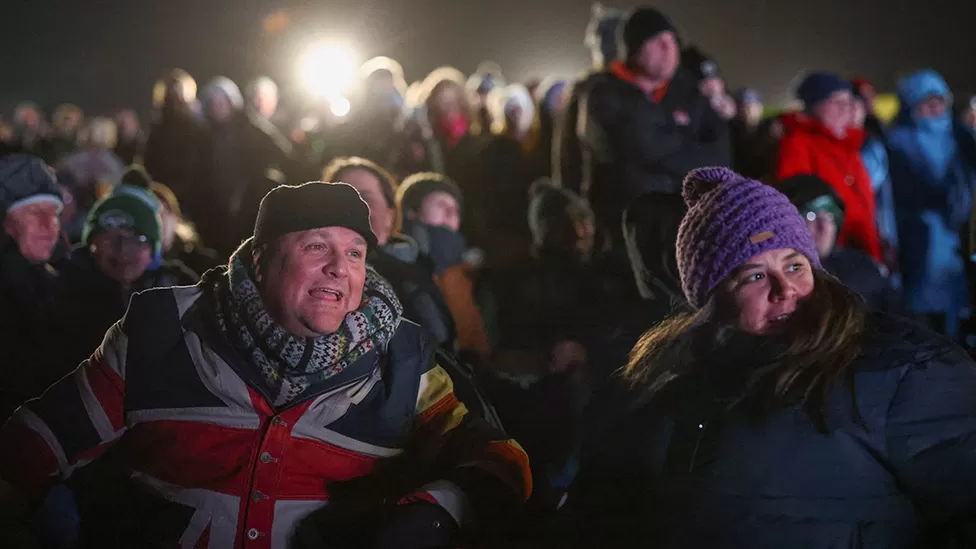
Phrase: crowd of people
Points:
(637, 308)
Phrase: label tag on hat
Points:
(761, 237)
(116, 219)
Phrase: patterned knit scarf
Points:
(295, 366)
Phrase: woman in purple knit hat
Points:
(778, 412)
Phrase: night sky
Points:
(104, 54)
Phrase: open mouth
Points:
(327, 294)
(781, 318)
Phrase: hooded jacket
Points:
(211, 463)
(808, 147)
(687, 472)
(932, 173)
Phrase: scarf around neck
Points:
(294, 366)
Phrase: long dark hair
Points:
(799, 367)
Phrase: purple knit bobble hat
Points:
(731, 219)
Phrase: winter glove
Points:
(416, 523)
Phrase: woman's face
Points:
(766, 291)
(381, 215)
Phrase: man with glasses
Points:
(822, 141)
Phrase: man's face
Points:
(220, 108)
(381, 215)
(27, 117)
(128, 124)
(35, 228)
(266, 101)
(440, 209)
(836, 112)
(751, 112)
(447, 103)
(933, 107)
(121, 254)
(313, 279)
(658, 57)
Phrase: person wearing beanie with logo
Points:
(822, 141)
(778, 412)
(32, 255)
(824, 214)
(647, 124)
(120, 255)
(932, 161)
(287, 380)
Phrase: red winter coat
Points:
(808, 147)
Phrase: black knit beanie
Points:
(643, 24)
(414, 189)
(288, 209)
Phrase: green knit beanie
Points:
(124, 211)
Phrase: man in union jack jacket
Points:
(240, 406)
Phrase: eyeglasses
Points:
(126, 241)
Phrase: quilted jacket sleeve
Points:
(931, 436)
(71, 424)
(484, 470)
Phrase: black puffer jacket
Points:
(29, 298)
(897, 471)
(93, 302)
(628, 144)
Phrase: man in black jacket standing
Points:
(642, 124)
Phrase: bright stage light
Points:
(339, 106)
(329, 70)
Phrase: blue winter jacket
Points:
(932, 182)
(875, 158)
(686, 472)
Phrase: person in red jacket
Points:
(820, 141)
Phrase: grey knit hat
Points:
(25, 180)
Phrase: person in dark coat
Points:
(120, 255)
(646, 123)
(753, 148)
(780, 413)
(131, 141)
(180, 240)
(245, 159)
(397, 257)
(175, 152)
(823, 213)
(31, 254)
(547, 308)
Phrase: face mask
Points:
(941, 124)
(452, 129)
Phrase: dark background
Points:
(107, 54)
